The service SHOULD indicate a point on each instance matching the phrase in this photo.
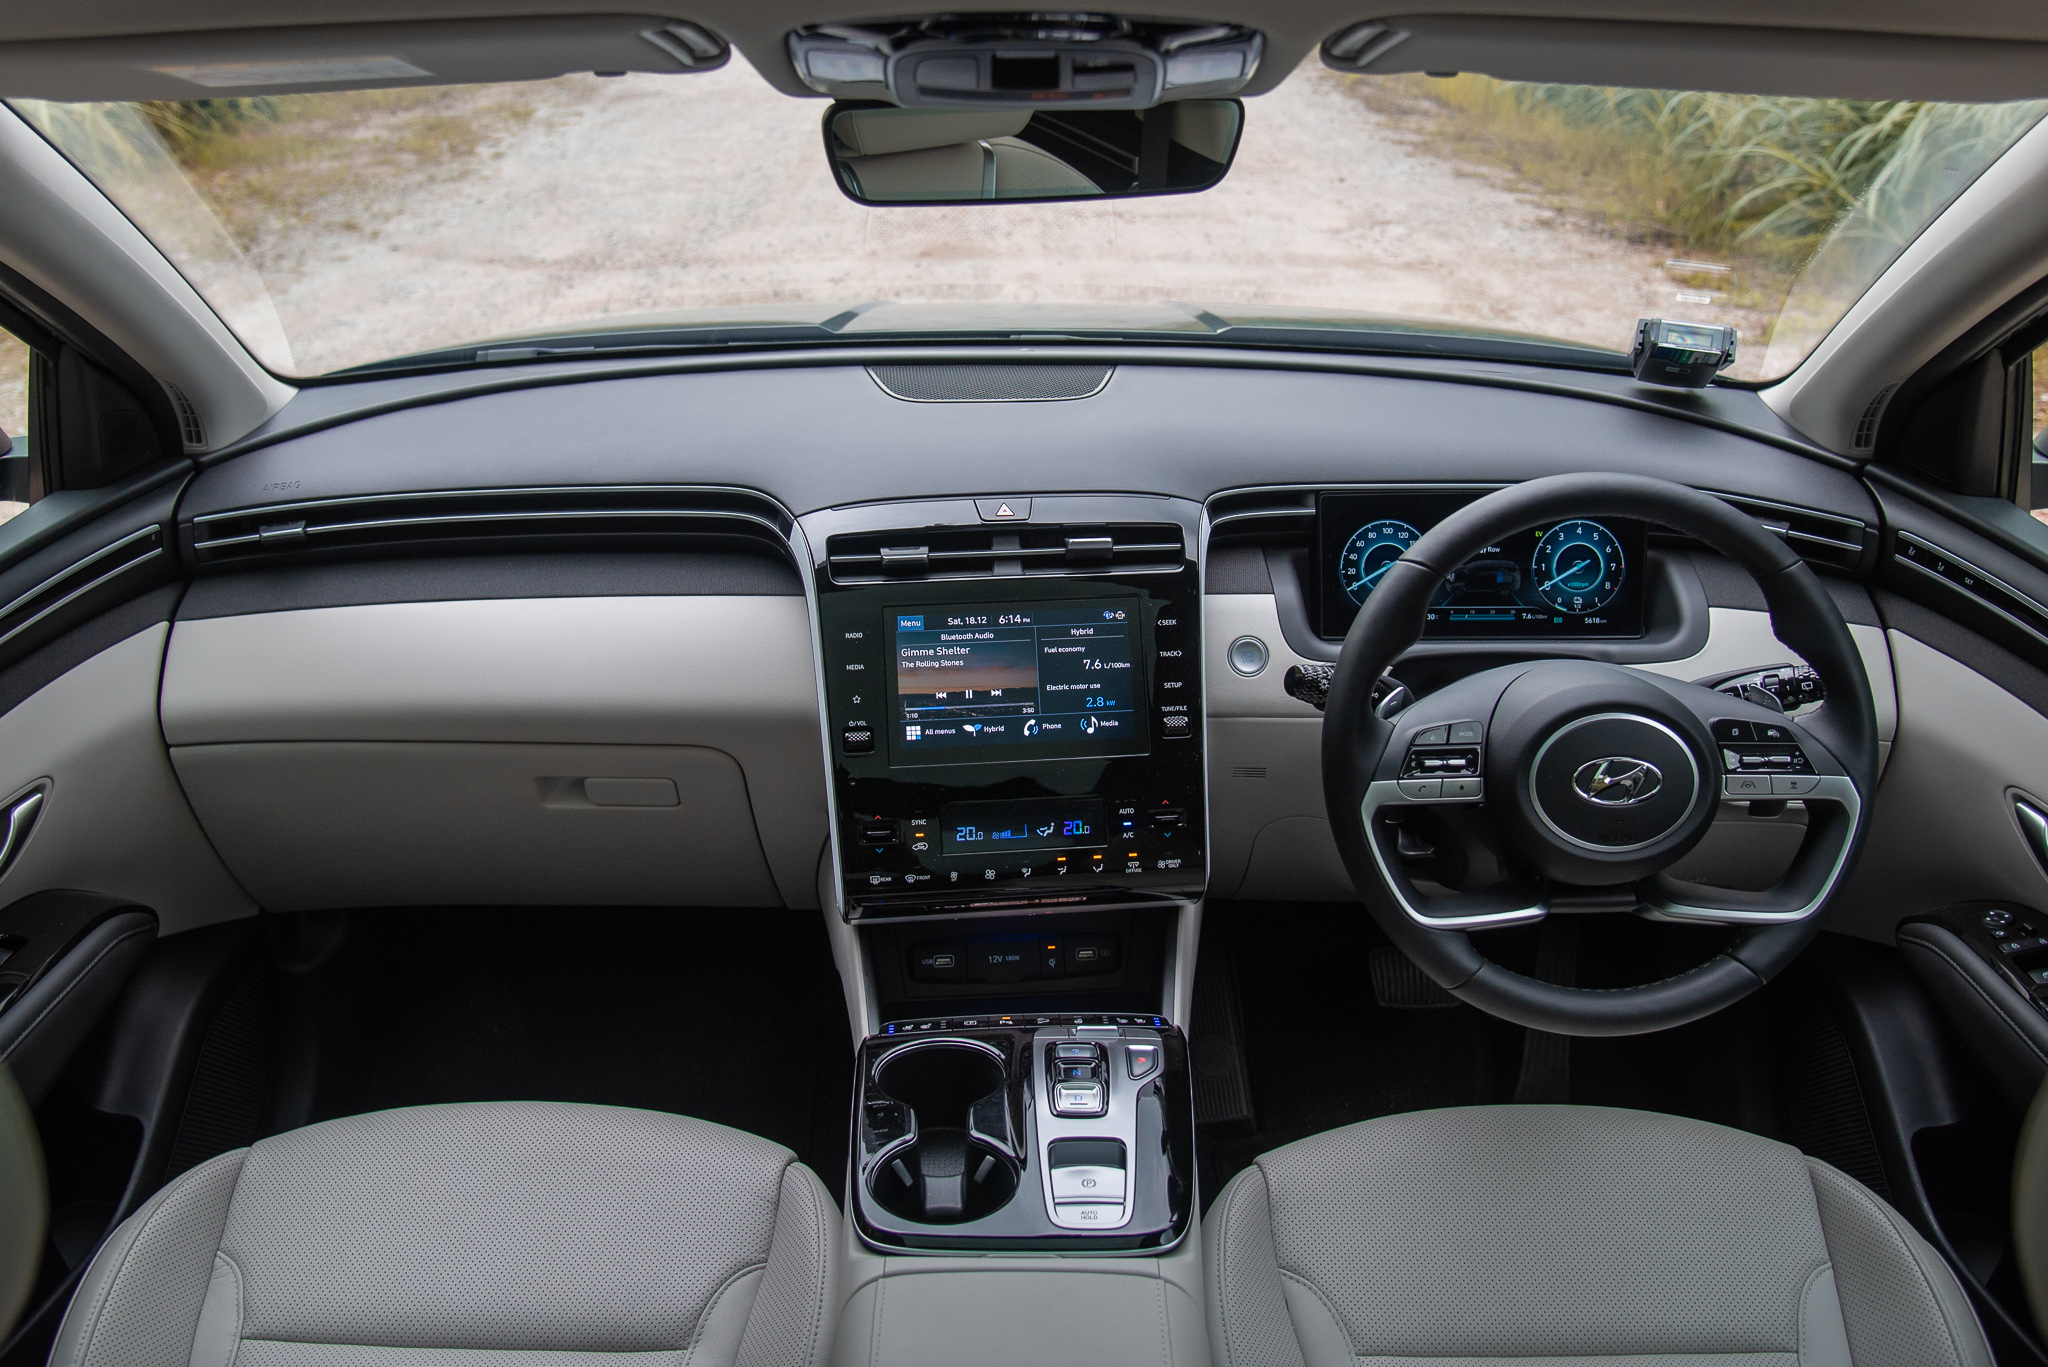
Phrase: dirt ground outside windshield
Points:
(590, 198)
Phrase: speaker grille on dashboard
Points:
(990, 383)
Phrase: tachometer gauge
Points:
(1578, 567)
(1369, 553)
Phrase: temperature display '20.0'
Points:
(1370, 553)
(1578, 567)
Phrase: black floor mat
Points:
(732, 1016)
(1321, 1050)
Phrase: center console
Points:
(1013, 696)
(1024, 1132)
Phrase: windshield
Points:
(336, 230)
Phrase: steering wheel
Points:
(1579, 783)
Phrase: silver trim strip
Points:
(1987, 577)
(420, 495)
(1386, 792)
(21, 819)
(154, 551)
(1832, 788)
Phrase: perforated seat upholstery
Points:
(1570, 1236)
(519, 1234)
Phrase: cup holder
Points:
(948, 1175)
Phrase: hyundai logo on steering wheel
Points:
(1617, 781)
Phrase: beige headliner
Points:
(757, 27)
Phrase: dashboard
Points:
(407, 575)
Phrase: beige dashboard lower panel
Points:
(307, 825)
(1942, 829)
(731, 674)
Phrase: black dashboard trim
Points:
(1970, 649)
(737, 573)
(321, 406)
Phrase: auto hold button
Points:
(1088, 1215)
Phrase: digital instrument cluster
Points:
(1576, 578)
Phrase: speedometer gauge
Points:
(1578, 567)
(1370, 553)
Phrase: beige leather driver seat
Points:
(1571, 1236)
(503, 1234)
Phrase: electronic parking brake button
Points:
(1088, 1184)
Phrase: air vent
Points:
(1866, 426)
(612, 518)
(1830, 539)
(191, 429)
(995, 553)
(990, 383)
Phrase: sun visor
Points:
(1737, 59)
(210, 65)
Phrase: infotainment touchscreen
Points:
(1579, 577)
(993, 682)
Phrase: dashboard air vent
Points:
(615, 518)
(1843, 543)
(1007, 552)
(990, 383)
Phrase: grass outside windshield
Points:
(336, 230)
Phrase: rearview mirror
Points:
(884, 155)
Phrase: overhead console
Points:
(1031, 60)
(1013, 703)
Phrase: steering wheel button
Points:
(1461, 787)
(1793, 785)
(1747, 785)
(1734, 732)
(1465, 733)
(1422, 789)
(1435, 735)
